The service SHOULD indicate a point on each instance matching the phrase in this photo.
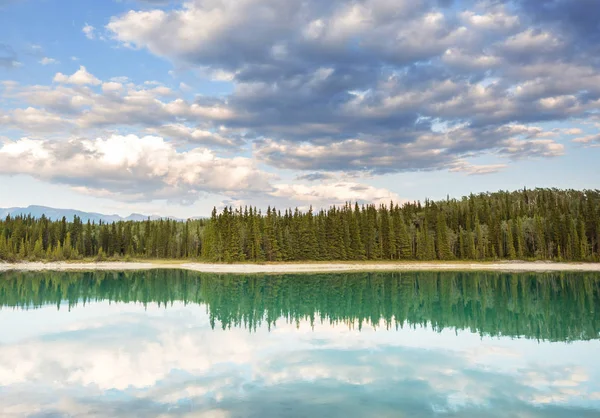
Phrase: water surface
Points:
(180, 344)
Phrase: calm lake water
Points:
(183, 344)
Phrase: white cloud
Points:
(354, 86)
(89, 31)
(112, 87)
(354, 154)
(334, 193)
(131, 168)
(494, 20)
(81, 77)
(458, 58)
(48, 61)
(134, 169)
(520, 149)
(531, 41)
(572, 131)
(473, 169)
(36, 120)
(589, 139)
(194, 135)
(119, 104)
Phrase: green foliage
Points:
(526, 224)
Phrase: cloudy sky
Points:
(172, 107)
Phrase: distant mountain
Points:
(56, 214)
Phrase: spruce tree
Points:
(442, 244)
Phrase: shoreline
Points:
(326, 267)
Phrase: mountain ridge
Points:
(57, 213)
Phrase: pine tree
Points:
(38, 249)
(510, 245)
(68, 246)
(442, 245)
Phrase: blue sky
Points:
(173, 107)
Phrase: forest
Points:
(550, 307)
(538, 224)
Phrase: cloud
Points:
(131, 168)
(365, 87)
(517, 149)
(198, 136)
(572, 131)
(354, 155)
(137, 169)
(530, 41)
(48, 61)
(576, 19)
(89, 31)
(36, 120)
(81, 77)
(588, 140)
(335, 74)
(334, 193)
(471, 169)
(315, 176)
(121, 103)
(427, 151)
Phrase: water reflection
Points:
(430, 344)
(555, 307)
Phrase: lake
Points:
(172, 343)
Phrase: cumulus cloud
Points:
(196, 135)
(431, 151)
(135, 169)
(132, 168)
(572, 131)
(48, 61)
(517, 149)
(89, 31)
(120, 103)
(588, 140)
(368, 86)
(332, 74)
(80, 77)
(353, 154)
(334, 193)
(36, 120)
(473, 169)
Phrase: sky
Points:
(174, 107)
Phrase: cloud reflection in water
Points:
(109, 360)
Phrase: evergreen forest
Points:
(539, 224)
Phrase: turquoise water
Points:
(182, 344)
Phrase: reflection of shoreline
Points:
(304, 267)
(552, 306)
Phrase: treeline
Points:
(528, 224)
(553, 306)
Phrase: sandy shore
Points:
(303, 267)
